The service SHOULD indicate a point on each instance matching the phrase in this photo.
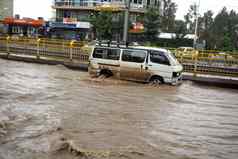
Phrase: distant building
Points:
(6, 8)
(80, 10)
(23, 27)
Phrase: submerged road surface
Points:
(50, 112)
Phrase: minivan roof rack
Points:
(109, 43)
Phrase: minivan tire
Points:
(106, 73)
(156, 80)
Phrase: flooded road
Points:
(56, 113)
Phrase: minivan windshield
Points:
(173, 59)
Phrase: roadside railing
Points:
(196, 62)
(209, 62)
(41, 47)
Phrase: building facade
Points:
(80, 10)
(75, 11)
(6, 8)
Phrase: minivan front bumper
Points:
(177, 78)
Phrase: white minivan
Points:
(144, 64)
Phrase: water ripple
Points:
(188, 122)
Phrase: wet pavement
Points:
(56, 113)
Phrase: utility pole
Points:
(126, 20)
(196, 26)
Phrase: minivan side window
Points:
(137, 56)
(106, 53)
(159, 57)
(98, 53)
(113, 54)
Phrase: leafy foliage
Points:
(152, 21)
(168, 17)
(222, 32)
(190, 18)
(180, 29)
(218, 32)
(102, 23)
(205, 29)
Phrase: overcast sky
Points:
(205, 5)
(33, 8)
(37, 8)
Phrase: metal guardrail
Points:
(64, 49)
(209, 62)
(196, 62)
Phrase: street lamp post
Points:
(196, 26)
(126, 19)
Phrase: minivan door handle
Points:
(149, 65)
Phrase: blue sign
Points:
(62, 25)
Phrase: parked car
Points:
(144, 64)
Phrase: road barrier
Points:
(196, 62)
(40, 47)
(208, 62)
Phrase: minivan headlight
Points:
(176, 74)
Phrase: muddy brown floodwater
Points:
(51, 112)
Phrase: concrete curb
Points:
(67, 63)
(213, 80)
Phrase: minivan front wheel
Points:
(105, 73)
(156, 80)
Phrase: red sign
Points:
(137, 28)
(70, 20)
(25, 21)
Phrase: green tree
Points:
(227, 42)
(222, 31)
(118, 25)
(220, 28)
(190, 18)
(168, 17)
(232, 29)
(206, 29)
(102, 23)
(152, 21)
(180, 29)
